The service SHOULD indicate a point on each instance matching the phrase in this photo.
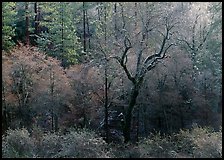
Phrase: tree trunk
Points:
(84, 28)
(115, 20)
(27, 24)
(4, 115)
(88, 30)
(55, 123)
(106, 106)
(138, 123)
(136, 9)
(62, 28)
(128, 115)
(37, 18)
(52, 85)
(105, 24)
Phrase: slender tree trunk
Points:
(88, 30)
(56, 123)
(37, 14)
(98, 10)
(84, 27)
(37, 21)
(136, 15)
(62, 28)
(106, 79)
(52, 98)
(105, 24)
(4, 116)
(106, 105)
(138, 123)
(115, 20)
(27, 24)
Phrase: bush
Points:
(17, 144)
(124, 150)
(157, 146)
(50, 144)
(208, 143)
(197, 143)
(83, 144)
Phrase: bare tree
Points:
(131, 48)
(143, 65)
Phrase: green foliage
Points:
(61, 41)
(8, 24)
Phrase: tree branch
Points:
(188, 44)
(122, 62)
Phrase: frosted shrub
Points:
(208, 143)
(83, 144)
(200, 142)
(197, 143)
(50, 145)
(17, 144)
(156, 146)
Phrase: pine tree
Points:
(8, 24)
(61, 41)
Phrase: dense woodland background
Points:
(136, 77)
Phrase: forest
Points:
(111, 79)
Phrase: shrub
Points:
(157, 146)
(197, 143)
(50, 145)
(124, 150)
(200, 142)
(208, 143)
(83, 143)
(17, 144)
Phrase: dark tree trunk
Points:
(115, 20)
(52, 120)
(55, 123)
(138, 123)
(52, 98)
(106, 105)
(37, 18)
(128, 115)
(27, 24)
(136, 9)
(4, 116)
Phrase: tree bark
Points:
(88, 30)
(37, 18)
(106, 105)
(128, 115)
(27, 24)
(62, 27)
(84, 27)
(115, 20)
